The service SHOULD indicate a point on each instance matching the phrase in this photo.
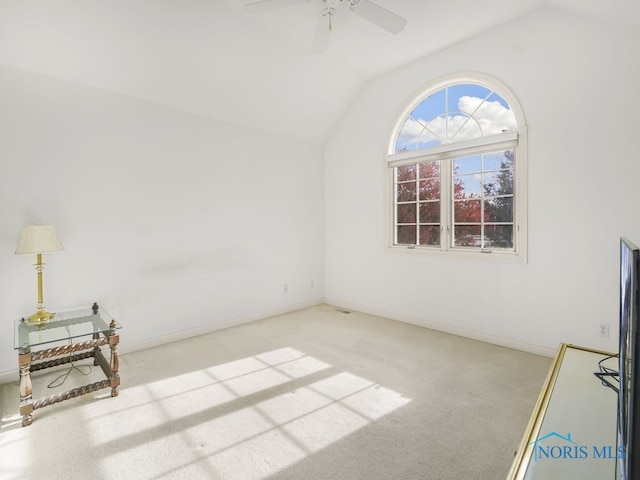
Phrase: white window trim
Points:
(501, 141)
(517, 140)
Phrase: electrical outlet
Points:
(285, 288)
(603, 330)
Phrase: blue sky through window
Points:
(455, 113)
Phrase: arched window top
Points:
(457, 159)
(455, 110)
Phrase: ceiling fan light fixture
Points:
(321, 37)
(330, 12)
(366, 9)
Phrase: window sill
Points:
(496, 256)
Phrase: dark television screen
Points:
(628, 466)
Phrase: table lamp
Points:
(38, 239)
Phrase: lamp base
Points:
(41, 316)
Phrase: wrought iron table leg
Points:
(114, 364)
(26, 389)
(96, 336)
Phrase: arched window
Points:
(457, 162)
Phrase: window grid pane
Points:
(483, 203)
(417, 204)
(430, 235)
(452, 165)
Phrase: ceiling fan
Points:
(366, 9)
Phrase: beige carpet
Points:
(314, 394)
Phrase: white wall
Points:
(577, 80)
(177, 222)
(171, 221)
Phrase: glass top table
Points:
(63, 326)
(62, 331)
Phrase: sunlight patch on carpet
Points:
(243, 419)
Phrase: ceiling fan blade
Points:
(379, 16)
(268, 5)
(323, 31)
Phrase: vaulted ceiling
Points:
(212, 58)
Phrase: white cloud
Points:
(475, 118)
(492, 116)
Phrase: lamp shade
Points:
(38, 239)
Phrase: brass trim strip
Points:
(523, 454)
(590, 350)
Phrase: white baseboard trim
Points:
(213, 327)
(461, 332)
(125, 348)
